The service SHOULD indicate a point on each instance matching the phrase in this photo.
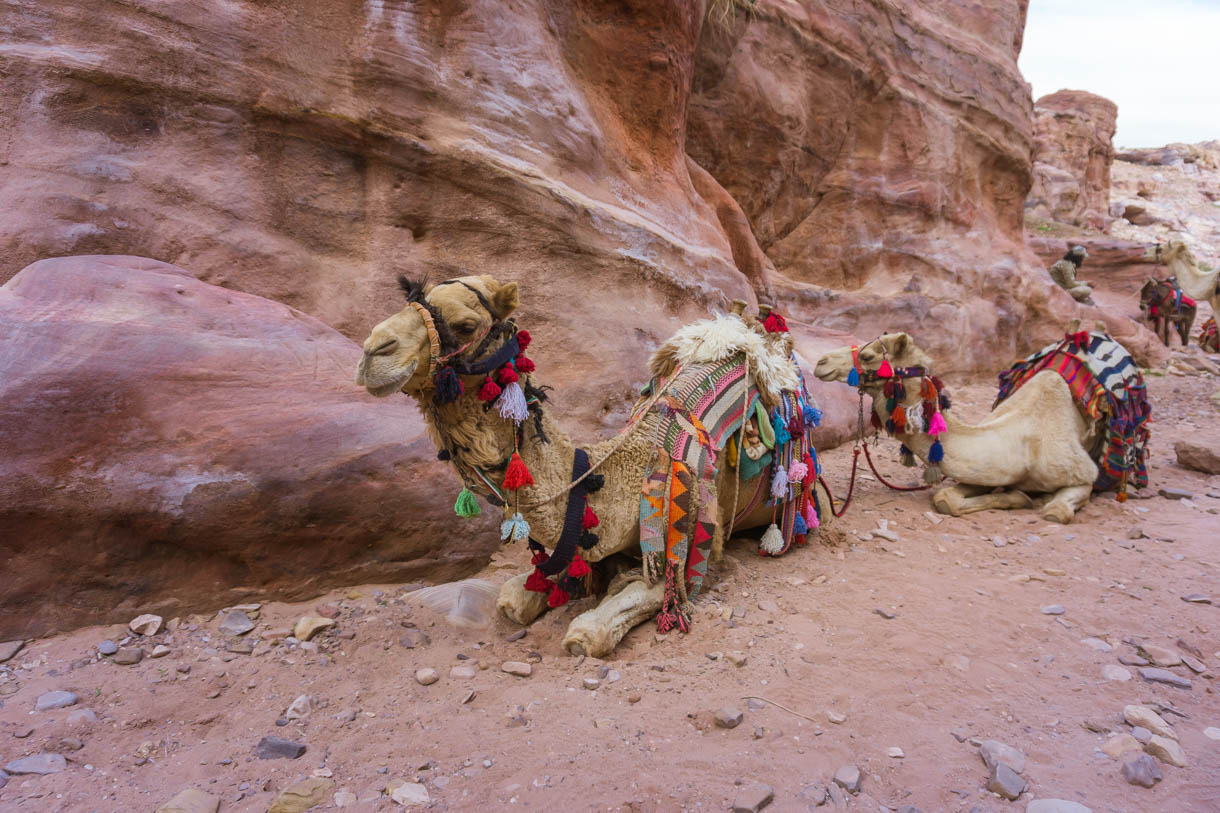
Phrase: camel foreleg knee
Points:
(1066, 502)
(518, 604)
(598, 631)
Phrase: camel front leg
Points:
(598, 631)
(966, 499)
(518, 604)
(1066, 502)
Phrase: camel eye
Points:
(867, 356)
(465, 328)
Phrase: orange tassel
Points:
(927, 390)
(899, 417)
(518, 475)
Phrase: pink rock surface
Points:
(170, 445)
(1073, 152)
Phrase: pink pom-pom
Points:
(797, 472)
(937, 425)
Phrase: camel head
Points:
(897, 348)
(398, 354)
(1169, 251)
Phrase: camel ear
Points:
(505, 299)
(900, 344)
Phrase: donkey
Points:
(1165, 304)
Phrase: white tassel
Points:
(512, 403)
(515, 527)
(779, 483)
(915, 424)
(772, 541)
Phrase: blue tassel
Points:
(936, 453)
(813, 416)
(853, 378)
(781, 431)
(799, 528)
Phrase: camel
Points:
(1209, 337)
(1034, 442)
(466, 319)
(1166, 305)
(1182, 267)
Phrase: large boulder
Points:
(171, 445)
(1073, 152)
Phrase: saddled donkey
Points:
(1164, 304)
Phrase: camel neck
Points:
(953, 440)
(1193, 282)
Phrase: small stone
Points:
(813, 795)
(240, 646)
(426, 676)
(1054, 571)
(23, 731)
(753, 798)
(999, 541)
(71, 744)
(591, 683)
(1194, 664)
(1142, 770)
(1055, 806)
(1132, 660)
(191, 800)
(310, 625)
(1196, 598)
(1120, 744)
(78, 717)
(1174, 493)
(236, 622)
(1005, 782)
(410, 794)
(1166, 750)
(614, 676)
(301, 796)
(516, 636)
(1053, 609)
(1161, 656)
(1098, 644)
(736, 657)
(994, 752)
(836, 717)
(55, 700)
(1135, 533)
(1212, 733)
(848, 778)
(768, 606)
(1146, 717)
(1141, 734)
(107, 648)
(10, 648)
(345, 798)
(146, 624)
(634, 697)
(129, 656)
(1155, 675)
(1112, 672)
(894, 752)
(300, 708)
(729, 717)
(276, 748)
(517, 668)
(159, 651)
(463, 672)
(38, 764)
(886, 614)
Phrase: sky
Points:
(1158, 60)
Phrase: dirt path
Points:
(968, 654)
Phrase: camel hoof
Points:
(1058, 513)
(943, 504)
(575, 649)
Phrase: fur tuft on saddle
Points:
(1106, 384)
(710, 340)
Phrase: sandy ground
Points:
(967, 654)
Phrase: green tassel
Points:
(467, 505)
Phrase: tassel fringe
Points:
(466, 505)
(518, 474)
(512, 404)
(772, 541)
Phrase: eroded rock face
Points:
(1073, 152)
(170, 445)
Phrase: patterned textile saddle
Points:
(1106, 383)
(1209, 337)
(697, 408)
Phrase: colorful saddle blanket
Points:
(1209, 337)
(1106, 382)
(696, 415)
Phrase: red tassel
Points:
(523, 340)
(589, 520)
(885, 371)
(774, 323)
(874, 421)
(888, 389)
(523, 365)
(507, 375)
(810, 468)
(518, 475)
(539, 558)
(579, 567)
(490, 391)
(537, 583)
(799, 539)
(557, 598)
(899, 417)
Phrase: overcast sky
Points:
(1158, 60)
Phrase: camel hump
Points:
(769, 355)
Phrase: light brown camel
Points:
(1194, 283)
(1035, 442)
(397, 357)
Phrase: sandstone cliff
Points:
(1073, 152)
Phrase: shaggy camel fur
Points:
(396, 357)
(1181, 263)
(1161, 296)
(1036, 441)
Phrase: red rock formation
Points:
(1073, 151)
(171, 446)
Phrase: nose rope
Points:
(434, 339)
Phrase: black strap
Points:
(565, 548)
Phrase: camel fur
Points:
(396, 357)
(1196, 284)
(1034, 442)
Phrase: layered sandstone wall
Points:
(1073, 153)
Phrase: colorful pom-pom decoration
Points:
(466, 505)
